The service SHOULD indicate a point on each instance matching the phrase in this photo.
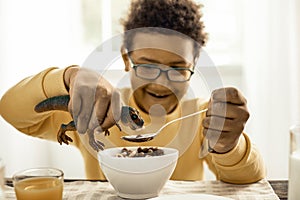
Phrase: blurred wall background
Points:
(255, 46)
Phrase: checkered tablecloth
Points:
(90, 190)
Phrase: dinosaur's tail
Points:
(53, 103)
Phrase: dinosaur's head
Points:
(131, 117)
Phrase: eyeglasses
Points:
(153, 71)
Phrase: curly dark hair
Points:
(183, 16)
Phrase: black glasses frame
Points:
(152, 65)
(136, 66)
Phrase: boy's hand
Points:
(225, 119)
(94, 102)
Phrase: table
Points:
(86, 190)
(280, 187)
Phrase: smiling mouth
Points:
(159, 96)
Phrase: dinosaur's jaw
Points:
(136, 125)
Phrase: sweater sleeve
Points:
(243, 164)
(17, 104)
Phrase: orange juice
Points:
(40, 188)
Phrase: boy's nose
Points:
(162, 79)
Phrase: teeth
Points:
(158, 95)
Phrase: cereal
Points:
(141, 152)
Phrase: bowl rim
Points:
(174, 151)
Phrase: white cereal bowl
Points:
(137, 177)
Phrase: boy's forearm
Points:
(18, 103)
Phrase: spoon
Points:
(149, 136)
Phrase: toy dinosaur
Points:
(129, 117)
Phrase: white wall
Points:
(35, 35)
(271, 67)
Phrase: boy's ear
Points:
(125, 58)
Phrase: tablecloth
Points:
(91, 190)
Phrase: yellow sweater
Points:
(243, 164)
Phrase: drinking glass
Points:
(294, 164)
(39, 183)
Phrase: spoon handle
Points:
(180, 118)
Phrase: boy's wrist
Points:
(69, 73)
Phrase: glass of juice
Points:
(39, 183)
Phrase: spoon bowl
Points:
(149, 136)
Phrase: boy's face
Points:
(166, 52)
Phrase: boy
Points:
(162, 41)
